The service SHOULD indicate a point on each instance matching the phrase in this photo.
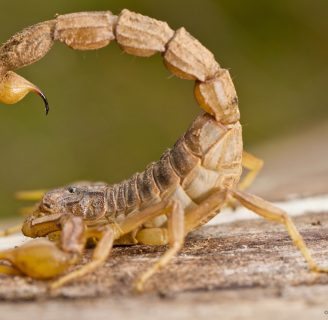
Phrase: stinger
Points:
(14, 88)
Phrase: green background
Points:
(112, 113)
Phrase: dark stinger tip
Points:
(46, 104)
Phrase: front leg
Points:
(107, 235)
(100, 254)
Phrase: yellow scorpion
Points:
(188, 186)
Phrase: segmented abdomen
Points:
(208, 155)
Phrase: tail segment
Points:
(136, 34)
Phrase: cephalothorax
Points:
(184, 189)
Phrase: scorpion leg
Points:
(34, 195)
(107, 236)
(254, 165)
(270, 212)
(179, 224)
(205, 210)
(175, 238)
(100, 254)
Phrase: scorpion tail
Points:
(218, 97)
(14, 88)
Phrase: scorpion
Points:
(187, 187)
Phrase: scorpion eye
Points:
(71, 189)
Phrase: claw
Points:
(9, 270)
(40, 259)
(14, 88)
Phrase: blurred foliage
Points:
(112, 113)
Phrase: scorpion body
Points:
(188, 185)
(198, 164)
(195, 166)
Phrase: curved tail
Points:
(136, 34)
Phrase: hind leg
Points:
(205, 210)
(270, 212)
(254, 165)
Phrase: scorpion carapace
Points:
(184, 189)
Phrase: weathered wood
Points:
(255, 255)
